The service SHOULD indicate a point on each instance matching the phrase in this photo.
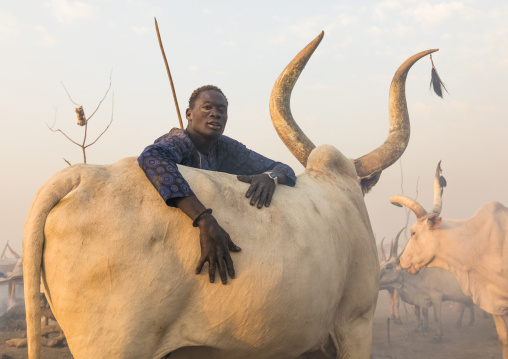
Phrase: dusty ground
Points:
(472, 342)
(478, 341)
(22, 353)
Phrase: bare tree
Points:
(83, 121)
(408, 212)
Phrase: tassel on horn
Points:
(435, 81)
(370, 166)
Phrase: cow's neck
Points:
(455, 251)
(465, 251)
(411, 289)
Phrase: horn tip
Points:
(320, 36)
(396, 204)
(438, 168)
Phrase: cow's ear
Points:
(433, 220)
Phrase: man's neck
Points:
(203, 144)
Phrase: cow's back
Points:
(119, 265)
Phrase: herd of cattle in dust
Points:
(143, 300)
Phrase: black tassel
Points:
(442, 183)
(436, 82)
(442, 180)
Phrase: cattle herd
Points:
(117, 264)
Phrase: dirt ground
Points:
(22, 353)
(478, 341)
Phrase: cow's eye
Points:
(413, 234)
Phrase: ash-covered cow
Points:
(429, 288)
(118, 264)
(393, 294)
(475, 250)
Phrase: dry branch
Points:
(83, 121)
(103, 98)
(408, 212)
(110, 122)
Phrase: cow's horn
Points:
(439, 183)
(400, 201)
(289, 132)
(395, 246)
(398, 136)
(382, 250)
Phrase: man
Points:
(202, 145)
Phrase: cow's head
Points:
(423, 244)
(390, 275)
(369, 166)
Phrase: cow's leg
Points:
(425, 312)
(502, 332)
(354, 340)
(391, 303)
(416, 310)
(12, 294)
(458, 323)
(396, 302)
(437, 301)
(471, 314)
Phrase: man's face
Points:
(209, 116)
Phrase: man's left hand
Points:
(261, 189)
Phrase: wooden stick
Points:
(169, 74)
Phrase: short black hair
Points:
(197, 91)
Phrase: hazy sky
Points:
(340, 99)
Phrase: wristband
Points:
(273, 176)
(195, 221)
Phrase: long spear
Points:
(169, 74)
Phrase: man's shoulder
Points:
(173, 137)
(228, 142)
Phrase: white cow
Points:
(429, 288)
(393, 294)
(475, 250)
(117, 264)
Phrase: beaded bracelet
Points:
(195, 222)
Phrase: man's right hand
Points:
(215, 246)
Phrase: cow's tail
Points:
(33, 241)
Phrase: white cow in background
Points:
(429, 288)
(117, 264)
(393, 294)
(475, 250)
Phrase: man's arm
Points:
(214, 240)
(236, 158)
(159, 162)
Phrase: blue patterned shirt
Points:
(159, 162)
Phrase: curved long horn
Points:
(395, 245)
(398, 135)
(400, 201)
(383, 254)
(439, 184)
(287, 129)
